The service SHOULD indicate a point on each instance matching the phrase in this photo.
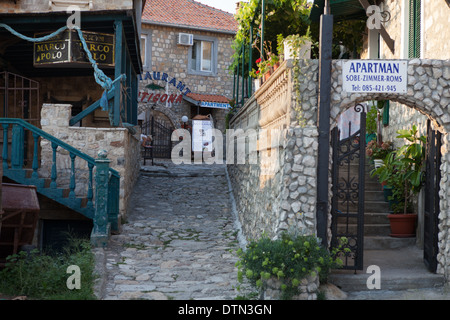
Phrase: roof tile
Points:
(208, 97)
(188, 13)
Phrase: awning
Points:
(208, 100)
(340, 9)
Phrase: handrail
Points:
(52, 139)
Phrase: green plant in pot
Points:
(406, 179)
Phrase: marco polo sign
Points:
(67, 49)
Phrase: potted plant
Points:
(264, 69)
(404, 174)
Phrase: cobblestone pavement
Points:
(180, 238)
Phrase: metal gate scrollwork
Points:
(347, 207)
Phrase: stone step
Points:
(394, 282)
(369, 184)
(369, 206)
(369, 229)
(370, 195)
(400, 269)
(369, 218)
(387, 242)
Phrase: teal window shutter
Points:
(414, 29)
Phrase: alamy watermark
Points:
(74, 280)
(374, 280)
(376, 17)
(242, 147)
(74, 20)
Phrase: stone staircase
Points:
(400, 260)
(376, 209)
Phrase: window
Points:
(203, 57)
(146, 49)
(414, 29)
(143, 49)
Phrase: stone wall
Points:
(278, 192)
(436, 38)
(307, 290)
(122, 147)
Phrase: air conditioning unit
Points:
(185, 39)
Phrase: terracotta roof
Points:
(208, 97)
(189, 14)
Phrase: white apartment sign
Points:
(375, 76)
(215, 105)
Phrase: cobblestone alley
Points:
(179, 240)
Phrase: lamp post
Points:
(184, 119)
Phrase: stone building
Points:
(69, 128)
(186, 52)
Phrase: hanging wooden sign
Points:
(66, 48)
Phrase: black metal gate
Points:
(433, 178)
(347, 209)
(161, 144)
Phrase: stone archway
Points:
(164, 110)
(428, 91)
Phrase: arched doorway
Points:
(415, 255)
(428, 93)
(158, 123)
(365, 225)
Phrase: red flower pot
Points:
(403, 225)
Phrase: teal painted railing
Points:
(102, 208)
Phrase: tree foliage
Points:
(288, 17)
(283, 17)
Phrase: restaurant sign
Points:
(149, 80)
(66, 48)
